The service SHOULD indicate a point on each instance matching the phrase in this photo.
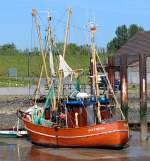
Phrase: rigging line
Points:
(43, 33)
(32, 36)
(110, 86)
(61, 17)
(78, 30)
(31, 48)
(87, 38)
(33, 41)
(69, 36)
(90, 117)
(60, 49)
(44, 25)
(41, 20)
(71, 25)
(77, 27)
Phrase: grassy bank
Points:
(20, 62)
(31, 65)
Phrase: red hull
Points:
(113, 134)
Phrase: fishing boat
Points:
(79, 120)
(14, 132)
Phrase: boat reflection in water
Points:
(28, 152)
(67, 154)
(22, 150)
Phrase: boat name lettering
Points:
(125, 125)
(96, 129)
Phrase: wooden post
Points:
(124, 84)
(111, 74)
(143, 96)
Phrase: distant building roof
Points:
(137, 45)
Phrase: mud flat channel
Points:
(22, 150)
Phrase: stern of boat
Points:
(122, 133)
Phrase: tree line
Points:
(122, 35)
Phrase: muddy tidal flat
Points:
(23, 150)
(8, 108)
(9, 104)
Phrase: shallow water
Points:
(13, 149)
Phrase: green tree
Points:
(122, 35)
(113, 45)
(8, 49)
(35, 51)
(134, 29)
(72, 48)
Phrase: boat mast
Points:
(49, 45)
(34, 15)
(95, 87)
(67, 29)
(48, 40)
(60, 87)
